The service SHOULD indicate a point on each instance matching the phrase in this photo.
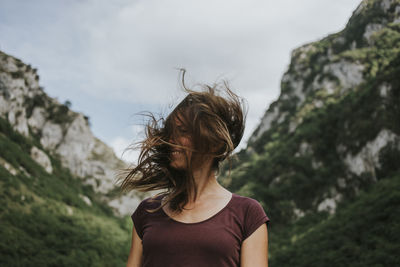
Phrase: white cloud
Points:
(128, 50)
(136, 51)
(124, 148)
(120, 144)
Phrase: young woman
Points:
(196, 221)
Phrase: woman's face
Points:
(179, 155)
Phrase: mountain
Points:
(59, 202)
(53, 219)
(332, 136)
(59, 132)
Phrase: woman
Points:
(196, 221)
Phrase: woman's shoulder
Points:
(149, 202)
(251, 210)
(245, 201)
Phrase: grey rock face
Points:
(8, 167)
(367, 160)
(42, 159)
(370, 30)
(52, 135)
(397, 14)
(37, 120)
(265, 124)
(349, 74)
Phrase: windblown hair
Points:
(215, 124)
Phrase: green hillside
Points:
(44, 221)
(329, 146)
(362, 233)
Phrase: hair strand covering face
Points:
(213, 118)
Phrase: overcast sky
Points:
(114, 58)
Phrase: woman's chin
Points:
(177, 166)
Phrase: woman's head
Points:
(205, 125)
(202, 131)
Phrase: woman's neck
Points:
(206, 184)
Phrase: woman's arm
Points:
(254, 250)
(135, 254)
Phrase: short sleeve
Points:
(254, 218)
(137, 219)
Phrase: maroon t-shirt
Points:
(215, 241)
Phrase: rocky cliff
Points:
(335, 128)
(61, 132)
(335, 65)
(324, 160)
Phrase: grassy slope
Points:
(35, 227)
(362, 233)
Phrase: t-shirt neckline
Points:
(206, 220)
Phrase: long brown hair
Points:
(214, 118)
